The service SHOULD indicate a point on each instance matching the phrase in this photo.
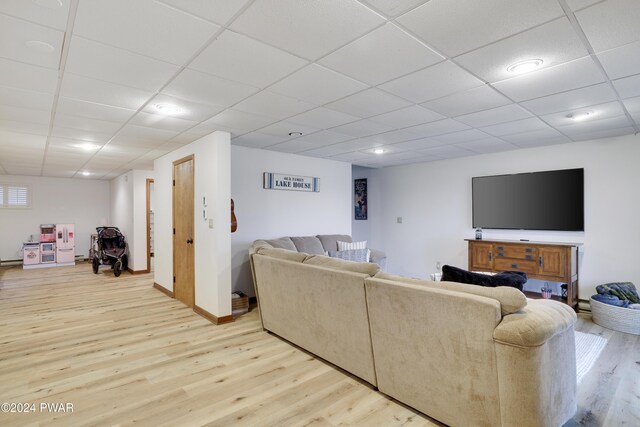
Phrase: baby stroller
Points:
(111, 249)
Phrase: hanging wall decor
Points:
(360, 198)
(277, 181)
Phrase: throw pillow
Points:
(358, 255)
(345, 246)
(308, 244)
(514, 279)
(282, 243)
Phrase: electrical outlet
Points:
(399, 220)
(210, 222)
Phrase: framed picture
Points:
(360, 198)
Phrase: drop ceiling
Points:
(82, 82)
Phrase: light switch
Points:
(399, 220)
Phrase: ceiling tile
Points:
(145, 133)
(361, 128)
(555, 43)
(434, 82)
(317, 85)
(324, 137)
(282, 129)
(28, 77)
(25, 127)
(330, 150)
(110, 64)
(538, 138)
(604, 133)
(273, 105)
(494, 116)
(256, 140)
(159, 121)
(384, 54)
(234, 121)
(79, 134)
(527, 125)
(632, 105)
(293, 146)
(51, 14)
(569, 100)
(409, 116)
(239, 58)
(628, 87)
(353, 156)
(25, 98)
(597, 112)
(621, 62)
(323, 118)
(370, 102)
(437, 128)
(207, 89)
(26, 115)
(86, 124)
(447, 152)
(611, 23)
(480, 98)
(91, 90)
(73, 147)
(393, 136)
(581, 4)
(356, 145)
(455, 27)
(12, 142)
(394, 7)
(462, 136)
(591, 126)
(488, 145)
(310, 30)
(189, 110)
(571, 75)
(75, 107)
(218, 11)
(143, 26)
(17, 35)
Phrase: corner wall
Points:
(268, 214)
(434, 200)
(212, 245)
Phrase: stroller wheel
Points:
(95, 263)
(117, 268)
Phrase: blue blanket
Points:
(611, 300)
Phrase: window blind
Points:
(15, 196)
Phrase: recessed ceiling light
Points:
(525, 66)
(295, 133)
(87, 146)
(40, 46)
(49, 4)
(580, 116)
(85, 173)
(378, 151)
(169, 109)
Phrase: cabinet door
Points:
(552, 262)
(480, 256)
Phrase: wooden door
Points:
(183, 241)
(480, 256)
(551, 262)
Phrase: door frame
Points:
(149, 182)
(173, 216)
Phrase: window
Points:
(15, 196)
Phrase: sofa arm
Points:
(378, 257)
(535, 324)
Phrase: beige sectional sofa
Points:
(461, 354)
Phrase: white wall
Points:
(84, 202)
(129, 213)
(267, 214)
(212, 246)
(434, 200)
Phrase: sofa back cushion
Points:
(368, 268)
(283, 254)
(308, 244)
(330, 241)
(282, 243)
(510, 299)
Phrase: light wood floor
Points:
(123, 353)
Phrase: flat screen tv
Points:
(549, 200)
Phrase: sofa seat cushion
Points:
(283, 254)
(515, 279)
(308, 244)
(511, 300)
(330, 241)
(282, 243)
(338, 264)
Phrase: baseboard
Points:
(212, 318)
(137, 271)
(164, 290)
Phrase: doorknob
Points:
(190, 241)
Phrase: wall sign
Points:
(277, 181)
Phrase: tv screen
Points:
(550, 200)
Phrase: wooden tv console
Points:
(554, 262)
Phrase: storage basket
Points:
(616, 318)
(240, 303)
